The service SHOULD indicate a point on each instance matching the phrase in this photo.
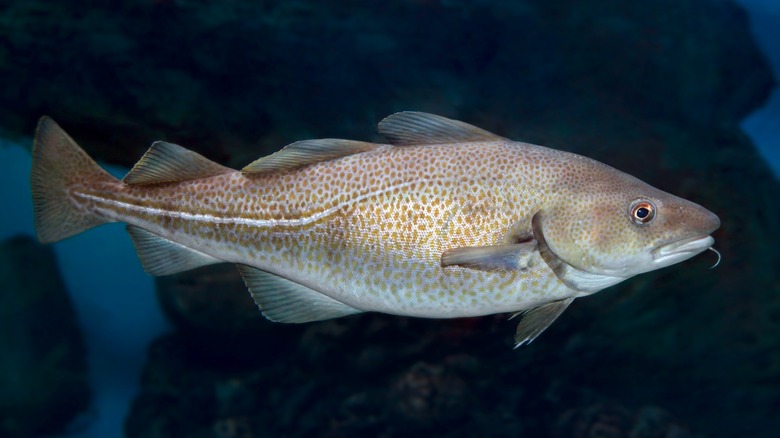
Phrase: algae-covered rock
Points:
(239, 79)
(43, 375)
(613, 421)
(210, 299)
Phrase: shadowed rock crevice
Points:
(43, 371)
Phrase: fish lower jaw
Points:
(681, 250)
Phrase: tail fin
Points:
(58, 164)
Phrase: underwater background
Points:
(680, 93)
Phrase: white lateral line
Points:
(116, 204)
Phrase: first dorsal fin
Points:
(167, 162)
(415, 128)
(306, 152)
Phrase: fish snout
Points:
(694, 220)
(711, 222)
(691, 228)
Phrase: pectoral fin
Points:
(511, 257)
(534, 321)
(284, 300)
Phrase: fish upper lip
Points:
(695, 244)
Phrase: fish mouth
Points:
(680, 250)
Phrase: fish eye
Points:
(642, 211)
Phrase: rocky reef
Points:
(43, 372)
(654, 88)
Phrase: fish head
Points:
(618, 226)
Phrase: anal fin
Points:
(283, 300)
(161, 256)
(534, 321)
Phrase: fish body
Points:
(446, 221)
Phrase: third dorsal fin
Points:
(167, 162)
(306, 152)
(415, 128)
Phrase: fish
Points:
(445, 220)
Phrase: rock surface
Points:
(43, 372)
(654, 88)
(234, 80)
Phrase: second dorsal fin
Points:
(167, 162)
(306, 152)
(415, 128)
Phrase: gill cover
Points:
(575, 278)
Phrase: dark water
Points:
(659, 89)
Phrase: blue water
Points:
(113, 298)
(763, 126)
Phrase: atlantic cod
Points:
(447, 220)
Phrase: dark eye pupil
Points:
(641, 212)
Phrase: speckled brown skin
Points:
(369, 229)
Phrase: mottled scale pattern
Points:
(369, 229)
